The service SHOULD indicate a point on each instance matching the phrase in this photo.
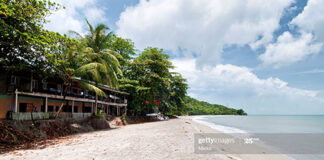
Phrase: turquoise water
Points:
(271, 124)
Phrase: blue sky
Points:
(263, 56)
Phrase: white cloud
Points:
(312, 19)
(289, 49)
(202, 27)
(240, 87)
(73, 16)
(95, 14)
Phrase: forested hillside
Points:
(196, 107)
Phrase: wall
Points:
(32, 101)
(3, 83)
(5, 101)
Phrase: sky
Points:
(266, 57)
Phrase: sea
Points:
(304, 133)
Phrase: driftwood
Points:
(59, 111)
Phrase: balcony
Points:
(54, 89)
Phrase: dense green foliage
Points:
(97, 58)
(195, 107)
(152, 85)
(24, 43)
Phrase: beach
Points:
(172, 139)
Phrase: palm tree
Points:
(99, 64)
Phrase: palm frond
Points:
(112, 52)
(109, 77)
(90, 26)
(75, 35)
(91, 87)
(111, 60)
(92, 71)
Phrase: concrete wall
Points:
(3, 83)
(5, 101)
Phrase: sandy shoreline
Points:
(173, 139)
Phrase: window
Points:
(42, 108)
(13, 80)
(35, 84)
(87, 109)
(59, 88)
(50, 109)
(22, 107)
(67, 109)
(75, 91)
(68, 90)
(86, 93)
(44, 85)
(75, 109)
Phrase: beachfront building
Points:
(24, 97)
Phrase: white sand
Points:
(171, 139)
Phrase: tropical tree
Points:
(177, 94)
(99, 63)
(24, 43)
(126, 48)
(151, 70)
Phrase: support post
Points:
(107, 109)
(31, 83)
(72, 106)
(16, 101)
(91, 107)
(118, 110)
(46, 104)
(83, 107)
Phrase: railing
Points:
(68, 115)
(81, 115)
(29, 115)
(49, 115)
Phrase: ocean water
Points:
(302, 126)
(265, 124)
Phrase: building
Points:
(24, 96)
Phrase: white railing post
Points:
(16, 100)
(72, 106)
(46, 104)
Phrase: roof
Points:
(104, 87)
